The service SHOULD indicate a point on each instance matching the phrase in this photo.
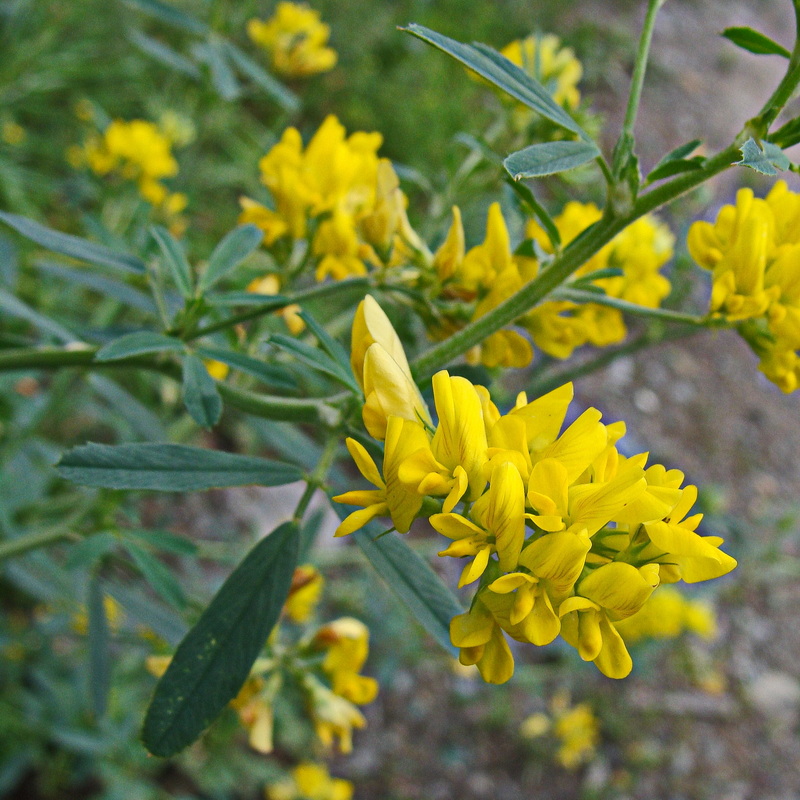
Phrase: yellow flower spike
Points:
(270, 222)
(508, 442)
(544, 416)
(295, 39)
(389, 391)
(481, 642)
(450, 256)
(548, 494)
(311, 782)
(527, 615)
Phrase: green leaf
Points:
(99, 283)
(225, 299)
(169, 468)
(169, 15)
(767, 159)
(313, 357)
(411, 578)
(99, 642)
(175, 259)
(682, 151)
(90, 550)
(163, 540)
(73, 246)
(498, 70)
(271, 374)
(533, 207)
(135, 344)
(229, 253)
(157, 575)
(164, 54)
(755, 42)
(214, 660)
(200, 395)
(222, 76)
(14, 307)
(674, 167)
(273, 87)
(549, 158)
(333, 348)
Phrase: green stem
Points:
(577, 253)
(33, 541)
(625, 144)
(273, 407)
(318, 477)
(314, 293)
(663, 314)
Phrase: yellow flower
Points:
(453, 462)
(481, 642)
(548, 62)
(449, 258)
(271, 223)
(12, 133)
(295, 39)
(310, 782)
(333, 716)
(113, 611)
(216, 369)
(392, 497)
(346, 641)
(271, 284)
(304, 593)
(666, 615)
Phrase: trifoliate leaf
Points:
(767, 159)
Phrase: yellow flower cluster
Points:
(564, 534)
(139, 151)
(752, 250)
(666, 615)
(490, 273)
(554, 66)
(326, 664)
(296, 40)
(576, 728)
(337, 192)
(310, 781)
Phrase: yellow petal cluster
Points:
(666, 615)
(563, 534)
(139, 151)
(339, 194)
(310, 781)
(295, 39)
(304, 593)
(752, 251)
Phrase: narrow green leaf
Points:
(533, 207)
(14, 307)
(788, 134)
(99, 643)
(273, 87)
(481, 146)
(549, 158)
(214, 660)
(682, 151)
(169, 468)
(674, 167)
(200, 395)
(333, 348)
(162, 540)
(411, 578)
(73, 246)
(164, 54)
(99, 283)
(498, 70)
(87, 552)
(169, 15)
(313, 357)
(755, 42)
(229, 253)
(135, 344)
(222, 76)
(175, 259)
(767, 159)
(272, 375)
(145, 424)
(157, 575)
(248, 299)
